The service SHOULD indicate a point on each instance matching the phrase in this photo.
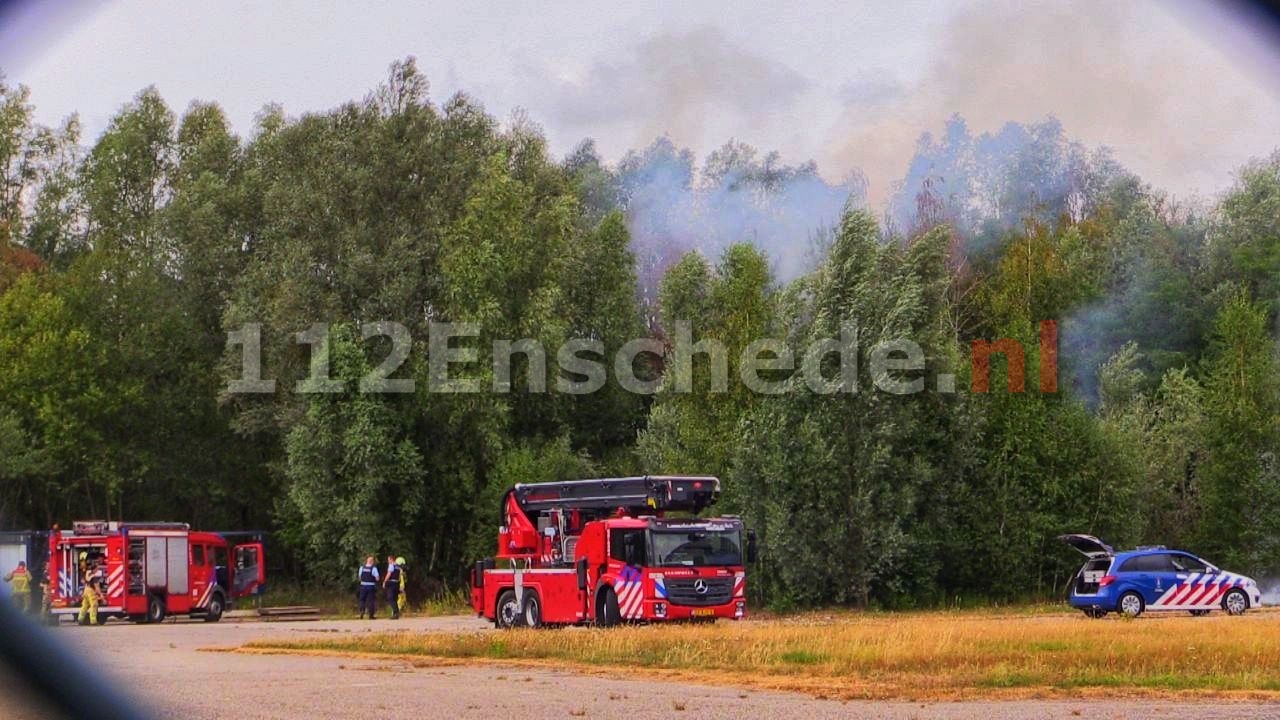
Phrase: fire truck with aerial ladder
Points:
(605, 551)
(153, 570)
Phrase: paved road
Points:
(165, 667)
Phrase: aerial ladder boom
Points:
(567, 505)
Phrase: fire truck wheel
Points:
(607, 614)
(506, 615)
(214, 613)
(102, 619)
(155, 609)
(532, 610)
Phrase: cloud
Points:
(1127, 75)
(683, 84)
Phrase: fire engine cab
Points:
(605, 551)
(152, 570)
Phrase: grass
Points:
(927, 655)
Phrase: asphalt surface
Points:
(172, 672)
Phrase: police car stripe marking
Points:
(1184, 591)
(1192, 599)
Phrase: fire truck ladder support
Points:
(637, 495)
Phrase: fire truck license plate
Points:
(703, 612)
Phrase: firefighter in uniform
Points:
(368, 593)
(391, 583)
(91, 595)
(404, 601)
(46, 600)
(20, 585)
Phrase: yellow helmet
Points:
(84, 556)
(400, 561)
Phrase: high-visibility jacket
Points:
(19, 581)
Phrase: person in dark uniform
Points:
(392, 585)
(367, 595)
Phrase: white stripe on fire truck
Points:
(624, 597)
(629, 597)
(115, 582)
(204, 599)
(633, 609)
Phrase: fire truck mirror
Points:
(582, 573)
(477, 574)
(753, 548)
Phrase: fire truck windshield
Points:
(698, 547)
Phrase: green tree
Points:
(836, 483)
(1239, 482)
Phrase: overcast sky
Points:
(1183, 91)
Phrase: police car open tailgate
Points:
(1088, 545)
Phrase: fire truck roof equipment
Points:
(636, 495)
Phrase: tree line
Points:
(126, 264)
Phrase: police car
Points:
(1154, 578)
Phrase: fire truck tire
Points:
(102, 619)
(608, 614)
(532, 610)
(214, 612)
(504, 613)
(155, 609)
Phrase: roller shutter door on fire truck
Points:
(167, 564)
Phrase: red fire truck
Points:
(606, 551)
(153, 570)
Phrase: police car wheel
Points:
(1131, 604)
(506, 615)
(1235, 603)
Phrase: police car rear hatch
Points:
(1088, 545)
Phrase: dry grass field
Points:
(938, 655)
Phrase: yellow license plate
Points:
(703, 612)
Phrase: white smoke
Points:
(1270, 588)
(1170, 87)
(674, 206)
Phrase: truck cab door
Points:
(249, 571)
